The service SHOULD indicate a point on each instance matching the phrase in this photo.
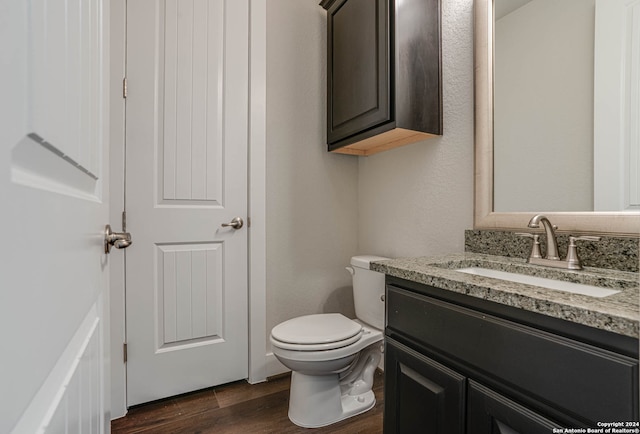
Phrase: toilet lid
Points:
(316, 329)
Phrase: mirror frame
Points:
(606, 223)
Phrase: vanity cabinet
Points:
(464, 365)
(383, 74)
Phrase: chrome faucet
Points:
(549, 229)
(552, 259)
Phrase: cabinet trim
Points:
(382, 142)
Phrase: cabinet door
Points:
(491, 413)
(421, 395)
(358, 94)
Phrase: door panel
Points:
(54, 190)
(190, 292)
(187, 108)
(192, 116)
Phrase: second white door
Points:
(186, 175)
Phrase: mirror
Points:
(493, 210)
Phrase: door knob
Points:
(119, 240)
(236, 223)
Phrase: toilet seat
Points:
(317, 347)
(316, 332)
(367, 337)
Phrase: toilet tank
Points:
(368, 290)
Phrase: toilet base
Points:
(316, 401)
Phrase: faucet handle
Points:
(573, 261)
(584, 238)
(535, 249)
(524, 234)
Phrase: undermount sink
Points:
(560, 285)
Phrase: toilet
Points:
(333, 358)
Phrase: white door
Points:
(616, 143)
(54, 200)
(186, 175)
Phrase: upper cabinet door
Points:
(383, 74)
(358, 80)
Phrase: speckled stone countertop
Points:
(618, 313)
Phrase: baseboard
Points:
(274, 367)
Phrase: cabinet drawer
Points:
(577, 378)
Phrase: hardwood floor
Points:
(238, 408)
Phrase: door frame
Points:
(258, 358)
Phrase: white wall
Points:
(311, 194)
(418, 199)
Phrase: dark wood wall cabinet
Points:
(384, 74)
(455, 364)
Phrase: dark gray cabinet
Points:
(425, 393)
(383, 74)
(491, 413)
(515, 371)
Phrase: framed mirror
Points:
(610, 154)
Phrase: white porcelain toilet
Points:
(333, 358)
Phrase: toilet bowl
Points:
(333, 358)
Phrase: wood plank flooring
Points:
(238, 408)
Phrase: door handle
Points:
(236, 223)
(119, 240)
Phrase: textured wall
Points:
(418, 199)
(324, 208)
(311, 194)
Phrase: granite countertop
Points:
(618, 313)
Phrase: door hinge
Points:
(124, 87)
(124, 352)
(124, 221)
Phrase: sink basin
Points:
(560, 285)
